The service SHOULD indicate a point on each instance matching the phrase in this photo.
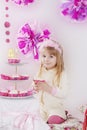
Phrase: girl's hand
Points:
(42, 85)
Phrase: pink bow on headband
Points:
(51, 43)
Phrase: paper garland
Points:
(24, 2)
(7, 23)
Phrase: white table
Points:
(12, 109)
(18, 104)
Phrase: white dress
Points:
(53, 104)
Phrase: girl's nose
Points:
(47, 58)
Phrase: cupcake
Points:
(13, 93)
(13, 61)
(13, 56)
(22, 93)
(3, 93)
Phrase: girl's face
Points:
(48, 60)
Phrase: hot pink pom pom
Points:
(29, 38)
(75, 9)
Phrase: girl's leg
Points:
(54, 119)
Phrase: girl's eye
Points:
(44, 56)
(51, 56)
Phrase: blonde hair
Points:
(60, 63)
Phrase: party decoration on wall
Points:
(24, 2)
(29, 39)
(7, 23)
(75, 9)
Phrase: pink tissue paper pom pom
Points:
(75, 9)
(29, 37)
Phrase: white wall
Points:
(70, 34)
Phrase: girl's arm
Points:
(58, 91)
(62, 90)
(42, 85)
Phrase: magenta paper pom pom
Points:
(29, 39)
(76, 9)
(25, 2)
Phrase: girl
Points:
(51, 83)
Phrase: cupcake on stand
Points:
(13, 93)
(13, 59)
(3, 92)
(13, 56)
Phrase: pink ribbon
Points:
(20, 120)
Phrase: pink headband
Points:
(51, 43)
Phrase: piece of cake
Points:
(13, 93)
(22, 93)
(15, 77)
(3, 93)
